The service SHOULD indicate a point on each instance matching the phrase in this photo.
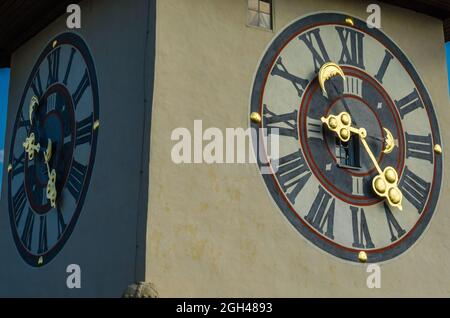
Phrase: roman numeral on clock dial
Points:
(292, 174)
(76, 179)
(36, 85)
(27, 233)
(69, 66)
(82, 86)
(19, 202)
(357, 185)
(280, 70)
(352, 47)
(43, 239)
(84, 130)
(315, 128)
(285, 123)
(409, 103)
(61, 223)
(384, 66)
(353, 86)
(420, 147)
(361, 234)
(53, 66)
(18, 165)
(321, 213)
(414, 189)
(314, 42)
(395, 229)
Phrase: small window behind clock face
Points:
(347, 153)
(260, 14)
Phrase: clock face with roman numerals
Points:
(53, 148)
(322, 185)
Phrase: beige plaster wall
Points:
(214, 230)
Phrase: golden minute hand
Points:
(385, 185)
(51, 185)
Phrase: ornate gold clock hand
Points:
(31, 146)
(386, 183)
(329, 70)
(51, 184)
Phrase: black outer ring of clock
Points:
(265, 65)
(72, 39)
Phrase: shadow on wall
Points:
(4, 87)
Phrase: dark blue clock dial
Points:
(62, 128)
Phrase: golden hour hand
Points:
(385, 185)
(31, 146)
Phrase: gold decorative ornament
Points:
(389, 143)
(10, 168)
(96, 124)
(438, 149)
(395, 195)
(380, 185)
(333, 123)
(344, 133)
(55, 43)
(33, 103)
(327, 71)
(48, 152)
(345, 119)
(51, 188)
(30, 146)
(362, 257)
(349, 21)
(40, 260)
(391, 175)
(255, 117)
(51, 184)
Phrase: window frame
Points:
(272, 17)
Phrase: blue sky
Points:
(4, 80)
(447, 48)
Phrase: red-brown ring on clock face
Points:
(349, 198)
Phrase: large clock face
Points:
(53, 148)
(324, 185)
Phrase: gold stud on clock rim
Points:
(438, 149)
(362, 257)
(9, 167)
(96, 124)
(255, 117)
(55, 43)
(40, 260)
(349, 21)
